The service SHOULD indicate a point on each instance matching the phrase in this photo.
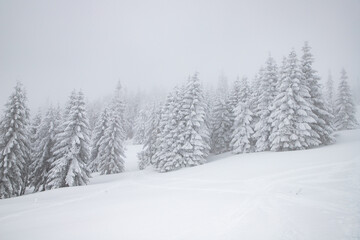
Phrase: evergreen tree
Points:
(184, 135)
(152, 131)
(253, 95)
(194, 149)
(345, 110)
(330, 93)
(14, 145)
(43, 151)
(99, 132)
(34, 137)
(169, 141)
(245, 92)
(234, 99)
(71, 150)
(164, 126)
(221, 128)
(268, 83)
(70, 104)
(323, 116)
(291, 113)
(140, 126)
(34, 128)
(94, 110)
(111, 149)
(242, 140)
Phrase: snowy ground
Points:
(313, 194)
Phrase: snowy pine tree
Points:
(111, 150)
(14, 145)
(291, 112)
(221, 127)
(171, 124)
(330, 93)
(345, 111)
(268, 83)
(245, 92)
(34, 128)
(234, 98)
(71, 150)
(242, 140)
(34, 137)
(195, 148)
(152, 131)
(165, 121)
(184, 136)
(99, 132)
(254, 95)
(140, 126)
(323, 116)
(43, 151)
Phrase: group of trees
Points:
(54, 150)
(282, 109)
(177, 133)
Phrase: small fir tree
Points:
(111, 149)
(242, 140)
(344, 106)
(292, 114)
(99, 132)
(14, 145)
(71, 150)
(43, 151)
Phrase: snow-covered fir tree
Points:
(330, 93)
(234, 98)
(34, 127)
(242, 140)
(221, 126)
(292, 115)
(34, 136)
(14, 145)
(99, 132)
(152, 131)
(94, 110)
(43, 150)
(140, 126)
(245, 92)
(184, 139)
(73, 98)
(266, 95)
(195, 138)
(165, 125)
(324, 118)
(71, 150)
(345, 111)
(131, 108)
(171, 124)
(111, 150)
(254, 95)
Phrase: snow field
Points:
(312, 194)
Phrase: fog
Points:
(55, 46)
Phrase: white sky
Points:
(57, 45)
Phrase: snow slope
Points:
(313, 194)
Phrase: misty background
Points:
(55, 46)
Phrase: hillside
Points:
(312, 194)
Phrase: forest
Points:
(283, 108)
